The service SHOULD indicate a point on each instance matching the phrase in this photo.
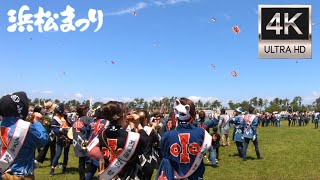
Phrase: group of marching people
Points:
(117, 142)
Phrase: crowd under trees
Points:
(277, 104)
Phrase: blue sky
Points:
(166, 50)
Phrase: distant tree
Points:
(73, 103)
(297, 100)
(86, 103)
(273, 107)
(245, 105)
(216, 104)
(276, 101)
(231, 105)
(265, 103)
(200, 103)
(260, 103)
(96, 104)
(254, 102)
(131, 105)
(317, 102)
(207, 104)
(30, 102)
(56, 101)
(36, 101)
(145, 105)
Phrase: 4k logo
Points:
(285, 31)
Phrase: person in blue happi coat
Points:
(184, 147)
(238, 129)
(201, 123)
(250, 124)
(14, 111)
(316, 120)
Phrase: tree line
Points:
(277, 104)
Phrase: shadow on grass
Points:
(237, 156)
(70, 170)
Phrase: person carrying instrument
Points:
(81, 132)
(120, 149)
(19, 138)
(60, 128)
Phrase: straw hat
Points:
(49, 106)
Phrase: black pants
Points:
(42, 154)
(82, 167)
(245, 147)
(289, 122)
(217, 153)
(239, 147)
(294, 122)
(56, 158)
(91, 171)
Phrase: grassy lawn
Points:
(289, 153)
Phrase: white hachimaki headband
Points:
(182, 112)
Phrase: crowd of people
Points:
(293, 118)
(118, 142)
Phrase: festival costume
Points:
(250, 124)
(59, 127)
(316, 120)
(183, 149)
(238, 132)
(150, 158)
(181, 159)
(81, 132)
(23, 164)
(224, 121)
(121, 151)
(51, 144)
(97, 125)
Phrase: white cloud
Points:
(143, 5)
(154, 98)
(42, 92)
(129, 10)
(311, 98)
(78, 95)
(203, 99)
(177, 1)
(170, 2)
(122, 99)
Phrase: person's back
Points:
(115, 140)
(178, 141)
(120, 147)
(183, 149)
(29, 136)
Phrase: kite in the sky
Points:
(154, 44)
(30, 38)
(234, 73)
(113, 62)
(134, 14)
(313, 23)
(236, 29)
(213, 65)
(213, 19)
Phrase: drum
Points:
(70, 133)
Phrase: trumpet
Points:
(84, 144)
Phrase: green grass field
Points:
(289, 153)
